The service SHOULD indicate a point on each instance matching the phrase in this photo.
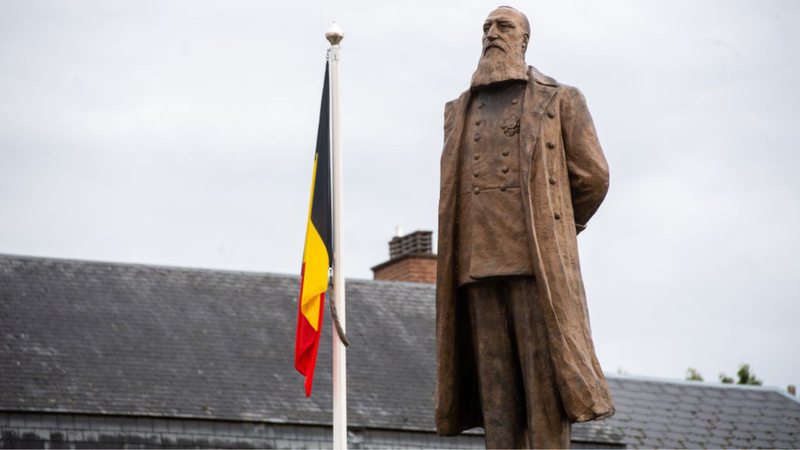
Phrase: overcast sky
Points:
(182, 133)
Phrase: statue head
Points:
(506, 32)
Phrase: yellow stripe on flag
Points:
(315, 279)
(315, 262)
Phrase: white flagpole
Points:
(334, 36)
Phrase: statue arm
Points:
(586, 165)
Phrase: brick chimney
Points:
(411, 258)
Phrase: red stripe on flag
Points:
(307, 340)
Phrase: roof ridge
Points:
(711, 384)
(7, 256)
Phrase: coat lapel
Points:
(454, 126)
(538, 95)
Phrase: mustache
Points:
(496, 44)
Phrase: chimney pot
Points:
(411, 258)
(416, 243)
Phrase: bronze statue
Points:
(522, 173)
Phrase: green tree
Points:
(693, 375)
(744, 375)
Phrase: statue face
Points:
(505, 31)
(505, 38)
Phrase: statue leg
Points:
(499, 378)
(549, 425)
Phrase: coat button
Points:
(505, 152)
(514, 101)
(550, 144)
(503, 188)
(504, 169)
(476, 156)
(551, 114)
(477, 137)
(552, 180)
(480, 105)
(478, 122)
(476, 190)
(475, 174)
(557, 216)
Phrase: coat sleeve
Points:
(586, 165)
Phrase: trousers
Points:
(519, 398)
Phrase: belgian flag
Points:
(318, 251)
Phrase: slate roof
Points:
(687, 414)
(122, 339)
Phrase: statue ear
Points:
(525, 42)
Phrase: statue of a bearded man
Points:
(522, 172)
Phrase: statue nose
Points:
(491, 33)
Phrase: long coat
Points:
(564, 178)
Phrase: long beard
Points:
(497, 65)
